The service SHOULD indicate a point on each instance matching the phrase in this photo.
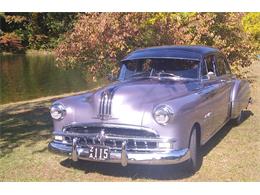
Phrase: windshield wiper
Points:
(167, 74)
(139, 74)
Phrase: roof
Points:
(183, 52)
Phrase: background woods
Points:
(90, 44)
(98, 41)
(95, 42)
(22, 31)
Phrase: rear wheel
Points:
(195, 160)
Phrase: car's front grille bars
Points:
(136, 138)
(118, 131)
(116, 143)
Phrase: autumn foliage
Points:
(22, 31)
(99, 40)
(11, 42)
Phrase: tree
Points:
(99, 40)
(251, 24)
(11, 42)
(34, 30)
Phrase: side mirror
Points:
(111, 77)
(211, 75)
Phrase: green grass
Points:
(232, 155)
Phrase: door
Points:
(225, 84)
(216, 93)
(210, 96)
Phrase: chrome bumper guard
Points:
(167, 156)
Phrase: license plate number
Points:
(100, 153)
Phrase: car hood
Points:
(145, 91)
(128, 100)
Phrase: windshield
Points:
(176, 68)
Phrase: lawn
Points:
(25, 130)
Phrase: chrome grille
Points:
(131, 144)
(136, 139)
(117, 131)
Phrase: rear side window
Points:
(209, 62)
(221, 66)
(228, 71)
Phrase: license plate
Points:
(99, 152)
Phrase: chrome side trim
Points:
(105, 105)
(101, 105)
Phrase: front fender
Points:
(72, 104)
(187, 112)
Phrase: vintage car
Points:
(164, 104)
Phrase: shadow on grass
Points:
(166, 172)
(23, 124)
(216, 139)
(158, 172)
(29, 124)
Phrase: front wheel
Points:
(195, 160)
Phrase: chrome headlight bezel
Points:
(162, 114)
(57, 111)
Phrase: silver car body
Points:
(120, 115)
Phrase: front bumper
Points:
(168, 156)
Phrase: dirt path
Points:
(25, 130)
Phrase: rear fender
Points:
(240, 97)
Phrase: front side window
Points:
(180, 68)
(204, 70)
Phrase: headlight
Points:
(162, 114)
(57, 111)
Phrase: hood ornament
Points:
(105, 105)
